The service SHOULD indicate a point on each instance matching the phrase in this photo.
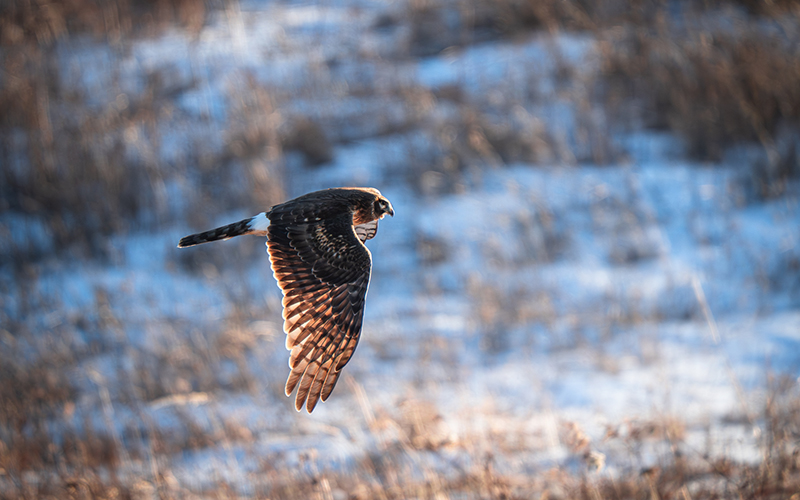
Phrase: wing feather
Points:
(319, 381)
(323, 270)
(366, 231)
(330, 383)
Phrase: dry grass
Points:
(60, 419)
(716, 90)
(775, 8)
(42, 23)
(58, 151)
(33, 392)
(55, 142)
(479, 136)
(51, 446)
(88, 170)
(663, 67)
(437, 25)
(54, 164)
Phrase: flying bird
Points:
(317, 254)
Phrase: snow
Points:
(563, 292)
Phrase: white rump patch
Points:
(259, 224)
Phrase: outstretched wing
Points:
(323, 269)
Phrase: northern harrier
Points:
(317, 252)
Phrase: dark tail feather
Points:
(220, 233)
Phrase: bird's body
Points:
(317, 252)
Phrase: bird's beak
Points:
(391, 211)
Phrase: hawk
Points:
(317, 254)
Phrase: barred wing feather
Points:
(323, 270)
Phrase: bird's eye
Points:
(380, 205)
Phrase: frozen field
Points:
(588, 293)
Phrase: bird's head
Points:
(382, 207)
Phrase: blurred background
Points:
(591, 287)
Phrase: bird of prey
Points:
(317, 253)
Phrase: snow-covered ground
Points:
(505, 301)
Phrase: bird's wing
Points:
(366, 231)
(323, 270)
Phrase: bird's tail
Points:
(254, 225)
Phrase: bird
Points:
(318, 257)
